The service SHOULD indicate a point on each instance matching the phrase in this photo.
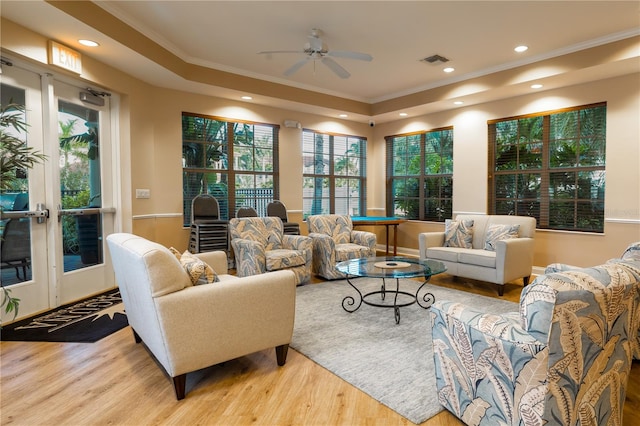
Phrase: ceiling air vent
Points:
(435, 59)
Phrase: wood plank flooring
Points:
(116, 382)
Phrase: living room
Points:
(150, 150)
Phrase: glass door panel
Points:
(84, 142)
(80, 185)
(23, 222)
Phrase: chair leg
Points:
(136, 337)
(281, 354)
(500, 290)
(179, 384)
(525, 280)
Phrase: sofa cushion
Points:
(350, 251)
(497, 233)
(199, 271)
(449, 254)
(283, 258)
(458, 233)
(476, 257)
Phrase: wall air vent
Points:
(433, 59)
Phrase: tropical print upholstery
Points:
(260, 245)
(563, 359)
(632, 252)
(335, 240)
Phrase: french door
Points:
(63, 207)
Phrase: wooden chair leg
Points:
(500, 290)
(179, 384)
(525, 280)
(281, 354)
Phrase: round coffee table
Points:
(389, 267)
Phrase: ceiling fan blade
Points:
(350, 55)
(335, 67)
(296, 67)
(268, 52)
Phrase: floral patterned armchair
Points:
(563, 359)
(334, 240)
(260, 246)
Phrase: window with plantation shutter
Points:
(334, 170)
(420, 175)
(550, 166)
(235, 161)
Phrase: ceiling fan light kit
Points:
(316, 50)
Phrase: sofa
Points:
(192, 314)
(491, 248)
(562, 359)
(260, 245)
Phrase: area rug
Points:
(86, 321)
(393, 363)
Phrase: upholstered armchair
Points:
(260, 245)
(563, 359)
(189, 327)
(335, 240)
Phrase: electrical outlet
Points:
(143, 193)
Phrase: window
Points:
(236, 162)
(334, 169)
(550, 166)
(420, 175)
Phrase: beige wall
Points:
(150, 154)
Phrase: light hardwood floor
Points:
(116, 382)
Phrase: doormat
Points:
(86, 321)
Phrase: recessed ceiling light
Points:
(449, 69)
(521, 49)
(88, 43)
(458, 102)
(343, 115)
(536, 86)
(247, 98)
(403, 114)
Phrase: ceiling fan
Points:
(316, 50)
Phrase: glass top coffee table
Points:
(390, 267)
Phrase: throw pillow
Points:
(497, 233)
(458, 233)
(199, 272)
(175, 252)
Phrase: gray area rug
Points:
(393, 363)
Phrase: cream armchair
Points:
(335, 240)
(189, 327)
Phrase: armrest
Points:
(514, 258)
(429, 239)
(216, 259)
(506, 327)
(299, 242)
(366, 239)
(323, 247)
(250, 257)
(206, 324)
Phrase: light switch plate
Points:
(143, 193)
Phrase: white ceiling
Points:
(478, 37)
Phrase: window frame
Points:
(422, 197)
(546, 171)
(227, 166)
(331, 176)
